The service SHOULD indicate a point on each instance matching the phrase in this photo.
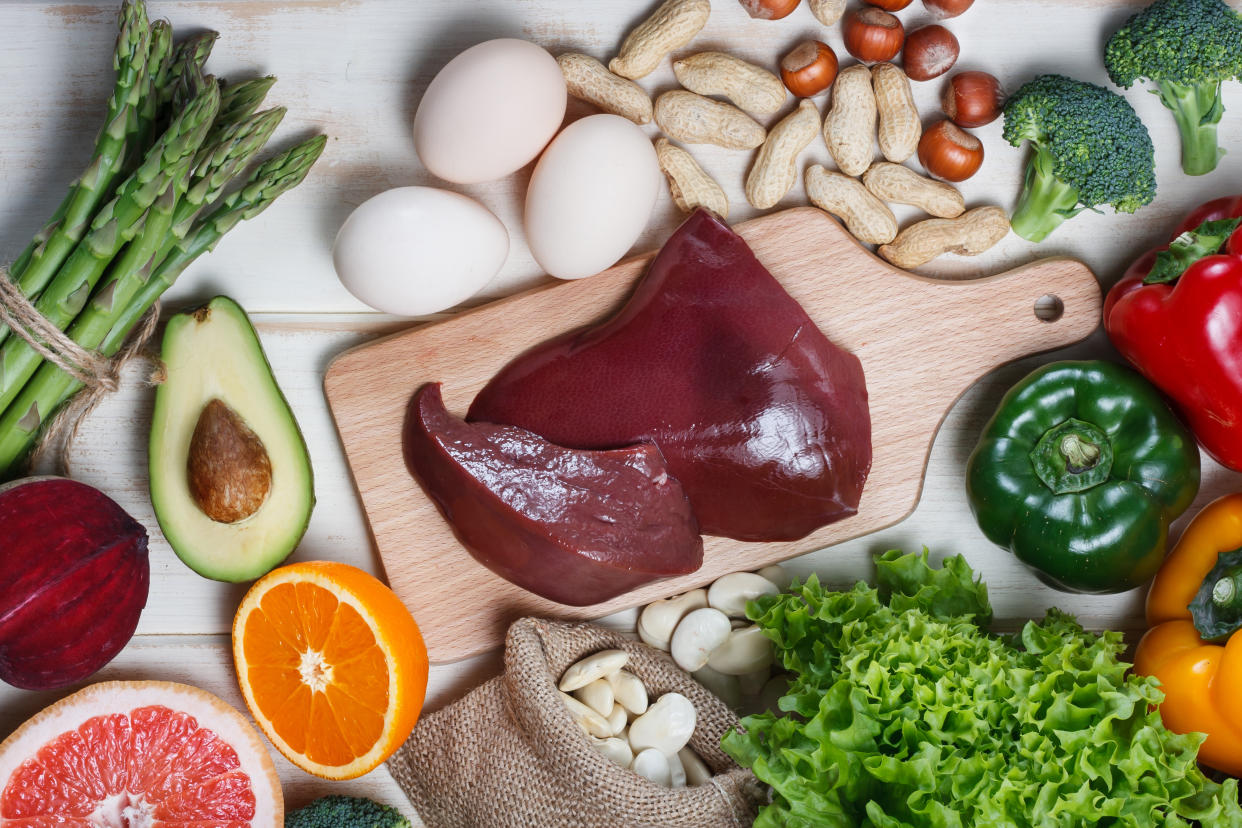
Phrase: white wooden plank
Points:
(356, 71)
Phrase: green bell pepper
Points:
(1079, 473)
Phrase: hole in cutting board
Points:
(1049, 308)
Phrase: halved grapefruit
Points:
(138, 754)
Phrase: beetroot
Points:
(760, 416)
(73, 581)
(576, 527)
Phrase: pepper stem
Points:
(1072, 456)
(1226, 591)
(1205, 240)
(1078, 453)
(1217, 607)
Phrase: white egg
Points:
(489, 111)
(590, 196)
(417, 250)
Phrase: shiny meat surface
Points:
(762, 418)
(576, 527)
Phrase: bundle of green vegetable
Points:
(907, 712)
(166, 181)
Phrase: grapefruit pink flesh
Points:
(147, 766)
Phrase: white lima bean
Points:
(697, 772)
(615, 749)
(629, 691)
(653, 765)
(660, 618)
(666, 726)
(725, 688)
(778, 575)
(676, 771)
(752, 684)
(597, 695)
(730, 593)
(698, 634)
(591, 722)
(595, 666)
(745, 651)
(618, 719)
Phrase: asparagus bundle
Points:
(154, 197)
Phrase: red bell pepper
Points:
(1177, 315)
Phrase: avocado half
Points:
(231, 478)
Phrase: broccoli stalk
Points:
(1197, 110)
(1090, 149)
(1186, 48)
(1046, 201)
(345, 812)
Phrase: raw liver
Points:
(763, 419)
(576, 527)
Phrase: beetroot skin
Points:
(73, 581)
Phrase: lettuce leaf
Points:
(905, 711)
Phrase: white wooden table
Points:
(355, 69)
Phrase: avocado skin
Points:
(208, 352)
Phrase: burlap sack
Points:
(508, 754)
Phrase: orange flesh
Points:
(295, 643)
(182, 774)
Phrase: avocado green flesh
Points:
(214, 353)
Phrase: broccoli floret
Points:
(1186, 48)
(346, 812)
(1090, 149)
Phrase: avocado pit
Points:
(228, 469)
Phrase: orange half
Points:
(332, 666)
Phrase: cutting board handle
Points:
(1041, 306)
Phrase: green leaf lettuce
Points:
(905, 711)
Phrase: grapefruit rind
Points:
(405, 702)
(113, 697)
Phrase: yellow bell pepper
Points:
(1201, 679)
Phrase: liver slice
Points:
(762, 418)
(576, 527)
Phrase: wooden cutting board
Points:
(922, 343)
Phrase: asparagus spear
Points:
(149, 92)
(238, 102)
(35, 267)
(107, 328)
(269, 181)
(188, 57)
(185, 76)
(225, 153)
(214, 167)
(115, 225)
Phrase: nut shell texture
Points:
(589, 80)
(753, 88)
(672, 25)
(693, 119)
(850, 128)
